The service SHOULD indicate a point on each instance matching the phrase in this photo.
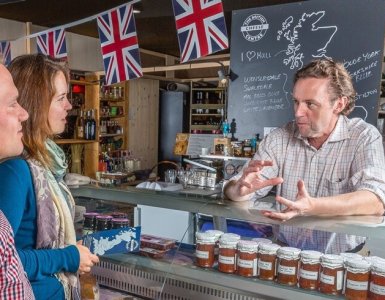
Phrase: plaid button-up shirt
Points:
(13, 280)
(351, 159)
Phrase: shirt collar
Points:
(340, 132)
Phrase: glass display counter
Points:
(175, 276)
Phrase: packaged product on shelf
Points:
(357, 279)
(156, 242)
(332, 274)
(310, 263)
(287, 270)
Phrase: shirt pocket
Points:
(336, 186)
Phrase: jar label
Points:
(327, 279)
(286, 270)
(340, 276)
(265, 265)
(87, 231)
(377, 289)
(310, 275)
(202, 254)
(228, 260)
(246, 263)
(357, 285)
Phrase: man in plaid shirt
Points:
(322, 162)
(13, 280)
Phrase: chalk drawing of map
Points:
(292, 32)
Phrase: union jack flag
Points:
(119, 43)
(5, 52)
(52, 43)
(201, 27)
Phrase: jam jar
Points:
(357, 279)
(247, 261)
(228, 252)
(377, 280)
(309, 267)
(103, 222)
(288, 260)
(117, 223)
(332, 274)
(217, 234)
(89, 222)
(204, 253)
(267, 258)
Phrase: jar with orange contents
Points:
(228, 253)
(204, 253)
(267, 259)
(247, 261)
(288, 260)
(218, 234)
(377, 280)
(357, 279)
(310, 263)
(332, 274)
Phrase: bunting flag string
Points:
(5, 52)
(119, 43)
(201, 27)
(53, 43)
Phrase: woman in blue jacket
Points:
(33, 195)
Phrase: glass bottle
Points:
(80, 125)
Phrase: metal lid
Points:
(104, 217)
(119, 220)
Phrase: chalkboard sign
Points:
(269, 44)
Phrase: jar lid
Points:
(262, 240)
(250, 246)
(378, 267)
(205, 237)
(357, 265)
(118, 214)
(288, 253)
(332, 261)
(347, 255)
(375, 259)
(268, 248)
(228, 242)
(91, 214)
(310, 256)
(217, 233)
(230, 236)
(103, 217)
(119, 220)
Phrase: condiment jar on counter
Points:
(377, 280)
(205, 245)
(288, 260)
(247, 261)
(218, 234)
(117, 223)
(357, 279)
(332, 274)
(228, 252)
(103, 222)
(89, 222)
(267, 259)
(310, 263)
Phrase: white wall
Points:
(83, 52)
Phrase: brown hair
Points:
(340, 81)
(34, 75)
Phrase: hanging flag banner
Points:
(201, 27)
(5, 52)
(119, 45)
(52, 43)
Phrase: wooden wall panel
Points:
(143, 120)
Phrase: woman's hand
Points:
(87, 259)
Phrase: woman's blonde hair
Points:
(34, 76)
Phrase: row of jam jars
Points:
(310, 263)
(288, 261)
(227, 257)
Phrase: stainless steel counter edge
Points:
(369, 226)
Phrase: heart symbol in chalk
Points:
(250, 55)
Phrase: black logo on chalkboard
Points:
(254, 27)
